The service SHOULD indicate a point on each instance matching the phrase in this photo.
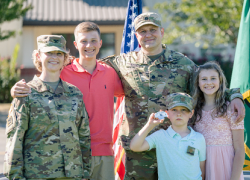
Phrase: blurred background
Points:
(202, 30)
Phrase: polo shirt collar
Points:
(172, 133)
(78, 68)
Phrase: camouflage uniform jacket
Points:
(146, 84)
(48, 134)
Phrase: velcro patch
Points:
(10, 125)
(9, 121)
(190, 150)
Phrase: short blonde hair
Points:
(38, 63)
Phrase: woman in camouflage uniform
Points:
(48, 133)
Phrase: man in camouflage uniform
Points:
(148, 76)
(48, 133)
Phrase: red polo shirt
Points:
(98, 91)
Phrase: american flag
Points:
(129, 43)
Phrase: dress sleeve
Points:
(16, 126)
(232, 120)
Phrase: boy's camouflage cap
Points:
(147, 18)
(179, 99)
(47, 43)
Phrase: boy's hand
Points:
(153, 121)
(20, 89)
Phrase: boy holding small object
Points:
(180, 151)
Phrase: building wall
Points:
(7, 46)
(30, 33)
(28, 43)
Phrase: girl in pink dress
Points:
(213, 118)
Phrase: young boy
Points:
(180, 151)
(99, 84)
(48, 134)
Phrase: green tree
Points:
(10, 10)
(208, 23)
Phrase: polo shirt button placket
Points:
(179, 143)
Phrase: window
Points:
(108, 45)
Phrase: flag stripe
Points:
(121, 170)
(118, 119)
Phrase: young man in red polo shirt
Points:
(99, 84)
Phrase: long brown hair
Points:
(199, 100)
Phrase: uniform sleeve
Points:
(202, 150)
(152, 139)
(119, 92)
(191, 79)
(16, 126)
(84, 138)
(232, 119)
(115, 62)
(231, 94)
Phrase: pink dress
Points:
(219, 141)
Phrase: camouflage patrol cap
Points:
(47, 43)
(179, 99)
(147, 18)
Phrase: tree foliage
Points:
(9, 75)
(207, 23)
(10, 10)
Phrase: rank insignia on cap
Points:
(146, 18)
(190, 150)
